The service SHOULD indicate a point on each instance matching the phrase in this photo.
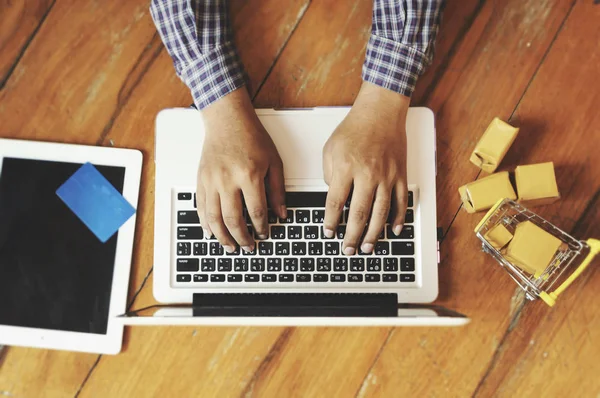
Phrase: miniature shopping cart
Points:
(563, 268)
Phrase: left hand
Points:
(366, 154)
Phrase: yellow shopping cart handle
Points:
(550, 298)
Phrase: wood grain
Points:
(19, 21)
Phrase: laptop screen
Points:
(54, 272)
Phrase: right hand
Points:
(239, 162)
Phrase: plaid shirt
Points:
(199, 38)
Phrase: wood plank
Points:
(66, 85)
(554, 351)
(18, 23)
(159, 88)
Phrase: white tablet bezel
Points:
(131, 160)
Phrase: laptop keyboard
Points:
(296, 251)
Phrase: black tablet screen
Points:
(54, 272)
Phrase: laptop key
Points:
(311, 232)
(224, 265)
(357, 264)
(407, 264)
(302, 277)
(390, 278)
(338, 278)
(183, 248)
(234, 278)
(251, 278)
(200, 278)
(257, 264)
(184, 196)
(409, 218)
(240, 265)
(302, 216)
(271, 217)
(289, 219)
(282, 248)
(290, 265)
(315, 248)
(382, 248)
(403, 248)
(189, 233)
(184, 278)
(407, 277)
(390, 264)
(294, 232)
(410, 198)
(274, 264)
(252, 253)
(372, 278)
(307, 264)
(318, 216)
(277, 232)
(265, 248)
(217, 278)
(216, 249)
(236, 252)
(200, 248)
(323, 264)
(355, 278)
(188, 265)
(269, 278)
(320, 277)
(408, 232)
(323, 234)
(208, 265)
(299, 248)
(341, 232)
(340, 264)
(187, 217)
(374, 264)
(286, 277)
(332, 248)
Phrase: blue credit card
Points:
(95, 201)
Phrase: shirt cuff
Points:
(214, 75)
(392, 65)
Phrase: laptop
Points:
(297, 276)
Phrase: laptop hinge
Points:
(296, 304)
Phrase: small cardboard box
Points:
(493, 145)
(498, 236)
(531, 248)
(484, 193)
(536, 184)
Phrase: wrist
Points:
(372, 95)
(233, 107)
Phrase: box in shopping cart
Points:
(568, 261)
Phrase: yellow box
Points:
(531, 248)
(493, 145)
(536, 184)
(498, 236)
(484, 193)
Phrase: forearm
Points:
(198, 36)
(402, 42)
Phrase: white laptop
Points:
(296, 276)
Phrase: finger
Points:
(381, 210)
(276, 190)
(256, 205)
(399, 204)
(233, 217)
(201, 209)
(215, 221)
(334, 204)
(360, 209)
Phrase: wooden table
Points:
(96, 73)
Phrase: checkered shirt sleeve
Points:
(198, 36)
(402, 42)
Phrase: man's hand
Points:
(238, 160)
(367, 155)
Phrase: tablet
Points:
(60, 286)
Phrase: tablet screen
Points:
(54, 272)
